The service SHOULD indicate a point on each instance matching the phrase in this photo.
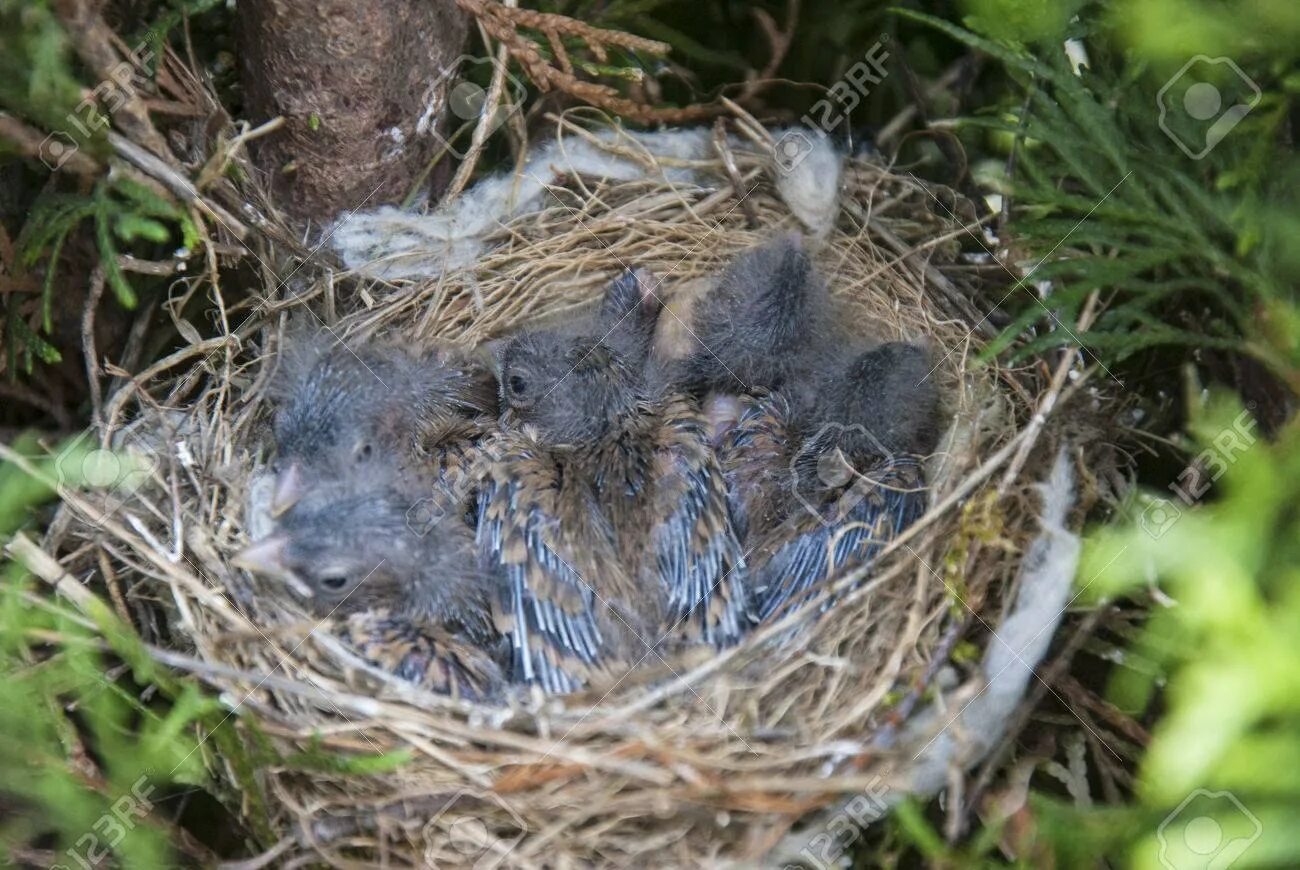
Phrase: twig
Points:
(1017, 142)
(963, 306)
(160, 268)
(29, 140)
(175, 182)
(723, 150)
(503, 22)
(215, 167)
(779, 40)
(1048, 675)
(949, 145)
(1113, 716)
(1047, 403)
(884, 738)
(47, 568)
(114, 586)
(93, 371)
(896, 124)
(486, 123)
(93, 40)
(257, 862)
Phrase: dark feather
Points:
(606, 510)
(846, 530)
(697, 552)
(538, 529)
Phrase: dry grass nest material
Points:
(688, 761)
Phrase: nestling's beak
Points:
(722, 412)
(648, 287)
(288, 489)
(490, 353)
(267, 558)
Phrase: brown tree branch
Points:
(502, 23)
(28, 141)
(93, 40)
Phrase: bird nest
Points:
(703, 759)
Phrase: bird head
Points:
(890, 390)
(571, 384)
(348, 546)
(342, 408)
(766, 313)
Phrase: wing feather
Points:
(544, 606)
(425, 655)
(697, 552)
(807, 550)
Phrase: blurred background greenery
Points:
(1189, 599)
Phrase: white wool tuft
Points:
(810, 184)
(390, 243)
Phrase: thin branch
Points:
(28, 141)
(502, 23)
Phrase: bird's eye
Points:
(363, 452)
(517, 385)
(334, 582)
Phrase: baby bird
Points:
(889, 392)
(407, 592)
(826, 493)
(606, 509)
(766, 324)
(353, 544)
(341, 407)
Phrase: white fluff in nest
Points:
(810, 183)
(391, 243)
(1046, 574)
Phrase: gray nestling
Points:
(823, 491)
(356, 544)
(342, 407)
(606, 510)
(766, 322)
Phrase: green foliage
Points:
(36, 79)
(40, 83)
(66, 701)
(121, 212)
(1171, 31)
(1226, 640)
(60, 704)
(1186, 252)
(1021, 21)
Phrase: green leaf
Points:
(108, 258)
(130, 227)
